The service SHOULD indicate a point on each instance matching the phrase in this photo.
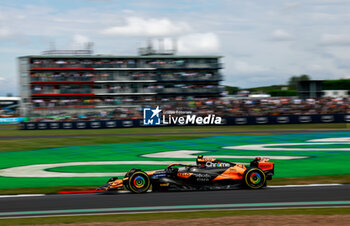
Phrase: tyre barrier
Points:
(243, 120)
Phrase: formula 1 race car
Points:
(207, 174)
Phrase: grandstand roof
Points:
(117, 57)
(9, 98)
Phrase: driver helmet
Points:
(201, 164)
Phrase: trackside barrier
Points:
(246, 120)
(9, 120)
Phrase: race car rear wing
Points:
(264, 166)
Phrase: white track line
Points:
(303, 185)
(129, 191)
(21, 195)
(40, 170)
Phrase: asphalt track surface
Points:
(179, 133)
(111, 203)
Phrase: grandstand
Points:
(59, 86)
(70, 84)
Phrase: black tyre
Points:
(131, 172)
(254, 178)
(128, 174)
(139, 182)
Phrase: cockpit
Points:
(176, 167)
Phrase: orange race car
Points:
(207, 174)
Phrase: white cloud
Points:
(5, 33)
(198, 43)
(103, 1)
(281, 35)
(335, 40)
(79, 41)
(256, 39)
(321, 16)
(136, 26)
(128, 11)
(291, 5)
(2, 78)
(247, 68)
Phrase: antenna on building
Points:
(89, 46)
(87, 50)
(147, 51)
(149, 45)
(174, 45)
(161, 45)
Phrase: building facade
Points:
(77, 84)
(324, 88)
(336, 93)
(310, 89)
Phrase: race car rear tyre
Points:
(254, 178)
(139, 182)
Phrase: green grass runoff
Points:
(9, 145)
(307, 162)
(64, 149)
(172, 215)
(41, 143)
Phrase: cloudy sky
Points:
(262, 42)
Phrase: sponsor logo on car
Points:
(217, 164)
(202, 179)
(184, 175)
(203, 175)
(157, 176)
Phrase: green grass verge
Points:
(330, 161)
(40, 143)
(173, 215)
(36, 144)
(12, 145)
(15, 132)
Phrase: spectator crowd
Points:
(204, 106)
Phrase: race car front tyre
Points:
(139, 182)
(254, 178)
(129, 174)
